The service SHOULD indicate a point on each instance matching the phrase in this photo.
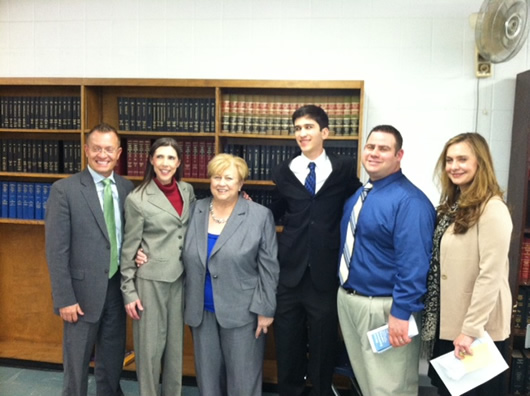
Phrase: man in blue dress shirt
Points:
(386, 278)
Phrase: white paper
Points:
(379, 339)
(460, 376)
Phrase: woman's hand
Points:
(462, 345)
(133, 308)
(263, 324)
(140, 258)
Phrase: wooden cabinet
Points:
(247, 117)
(519, 205)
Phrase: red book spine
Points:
(524, 270)
(195, 159)
(203, 161)
(187, 158)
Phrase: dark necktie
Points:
(110, 220)
(347, 251)
(311, 179)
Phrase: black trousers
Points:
(306, 333)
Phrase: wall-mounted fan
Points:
(501, 29)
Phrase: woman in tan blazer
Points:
(468, 291)
(156, 219)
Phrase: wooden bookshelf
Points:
(30, 331)
(519, 205)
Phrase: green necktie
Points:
(110, 220)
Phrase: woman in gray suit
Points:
(230, 258)
(156, 220)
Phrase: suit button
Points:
(444, 277)
(180, 236)
(214, 276)
(180, 247)
(106, 271)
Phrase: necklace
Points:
(218, 221)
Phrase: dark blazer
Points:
(77, 243)
(243, 265)
(311, 234)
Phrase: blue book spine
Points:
(39, 214)
(25, 201)
(5, 199)
(45, 194)
(12, 199)
(20, 200)
(31, 201)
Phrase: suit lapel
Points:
(291, 179)
(183, 188)
(88, 189)
(200, 220)
(233, 223)
(157, 198)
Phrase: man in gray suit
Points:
(85, 286)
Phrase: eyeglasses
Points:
(100, 150)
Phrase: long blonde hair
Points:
(483, 187)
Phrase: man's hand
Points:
(71, 313)
(133, 308)
(398, 331)
(263, 325)
(141, 258)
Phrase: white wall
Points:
(415, 56)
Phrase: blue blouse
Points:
(208, 290)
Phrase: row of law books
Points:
(524, 267)
(271, 114)
(196, 153)
(262, 159)
(167, 114)
(521, 315)
(40, 156)
(520, 374)
(40, 112)
(24, 200)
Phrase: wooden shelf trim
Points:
(43, 131)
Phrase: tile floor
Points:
(16, 381)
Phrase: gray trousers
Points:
(158, 337)
(108, 336)
(228, 362)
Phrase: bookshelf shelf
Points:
(19, 221)
(158, 134)
(29, 175)
(40, 131)
(190, 110)
(279, 137)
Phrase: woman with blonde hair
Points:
(468, 290)
(230, 258)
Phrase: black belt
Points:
(354, 292)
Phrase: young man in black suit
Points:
(310, 193)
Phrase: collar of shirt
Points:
(381, 183)
(98, 178)
(323, 168)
